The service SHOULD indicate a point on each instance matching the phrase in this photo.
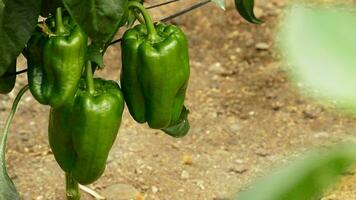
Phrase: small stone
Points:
(187, 160)
(262, 152)
(239, 161)
(262, 46)
(310, 113)
(154, 189)
(321, 134)
(259, 12)
(28, 99)
(276, 106)
(120, 192)
(39, 198)
(235, 127)
(184, 175)
(238, 170)
(217, 68)
(200, 185)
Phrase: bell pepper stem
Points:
(60, 29)
(89, 78)
(72, 188)
(139, 18)
(152, 33)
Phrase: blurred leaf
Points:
(304, 179)
(220, 3)
(245, 8)
(320, 45)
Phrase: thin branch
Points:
(177, 14)
(161, 4)
(15, 74)
(184, 11)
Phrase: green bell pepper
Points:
(56, 56)
(7, 83)
(82, 132)
(155, 72)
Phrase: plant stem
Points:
(89, 78)
(60, 30)
(151, 30)
(8, 123)
(72, 188)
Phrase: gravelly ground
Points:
(245, 116)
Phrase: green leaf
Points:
(95, 54)
(100, 19)
(245, 8)
(7, 188)
(181, 128)
(304, 179)
(50, 6)
(320, 46)
(18, 19)
(220, 3)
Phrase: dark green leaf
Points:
(18, 19)
(100, 19)
(245, 8)
(50, 6)
(305, 179)
(181, 128)
(95, 54)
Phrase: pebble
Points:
(321, 134)
(200, 185)
(262, 46)
(262, 152)
(187, 160)
(154, 189)
(235, 127)
(120, 192)
(39, 198)
(217, 68)
(238, 169)
(184, 175)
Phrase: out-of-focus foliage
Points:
(319, 44)
(304, 179)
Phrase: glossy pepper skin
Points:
(7, 83)
(155, 72)
(55, 61)
(81, 133)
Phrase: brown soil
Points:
(245, 118)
